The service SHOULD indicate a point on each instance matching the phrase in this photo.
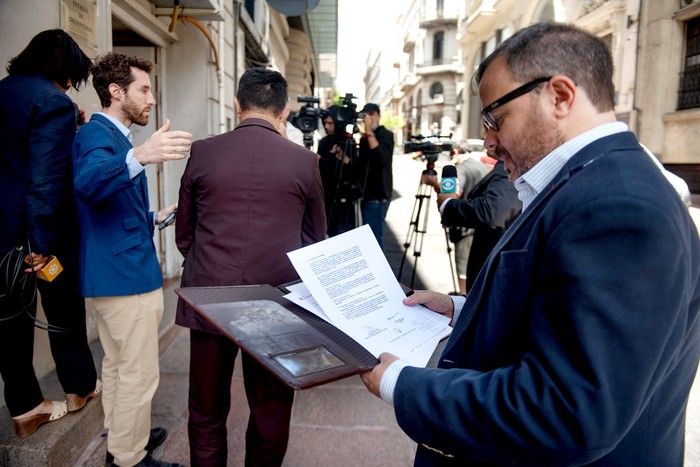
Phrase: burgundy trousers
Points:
(212, 358)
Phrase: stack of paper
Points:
(347, 281)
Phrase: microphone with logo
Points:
(448, 182)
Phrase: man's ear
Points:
(116, 91)
(285, 112)
(564, 94)
(238, 106)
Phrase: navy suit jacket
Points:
(117, 253)
(579, 342)
(37, 125)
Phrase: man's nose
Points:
(490, 138)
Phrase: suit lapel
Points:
(118, 135)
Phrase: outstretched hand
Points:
(164, 145)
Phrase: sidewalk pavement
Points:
(335, 424)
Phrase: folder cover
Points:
(299, 348)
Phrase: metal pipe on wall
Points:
(222, 86)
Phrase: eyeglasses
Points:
(490, 122)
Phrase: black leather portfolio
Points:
(298, 347)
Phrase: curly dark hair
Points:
(115, 68)
(54, 55)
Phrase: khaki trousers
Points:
(128, 328)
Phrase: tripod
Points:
(344, 213)
(416, 235)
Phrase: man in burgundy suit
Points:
(247, 198)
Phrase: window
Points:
(438, 42)
(436, 89)
(458, 107)
(250, 7)
(440, 8)
(689, 89)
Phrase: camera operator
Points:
(376, 157)
(338, 174)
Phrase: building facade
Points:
(667, 91)
(655, 47)
(428, 89)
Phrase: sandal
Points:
(27, 425)
(76, 402)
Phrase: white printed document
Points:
(348, 279)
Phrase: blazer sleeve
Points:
(601, 341)
(50, 138)
(100, 164)
(495, 204)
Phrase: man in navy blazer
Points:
(119, 270)
(38, 214)
(578, 343)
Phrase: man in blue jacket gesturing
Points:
(119, 270)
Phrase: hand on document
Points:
(435, 301)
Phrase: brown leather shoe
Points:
(76, 402)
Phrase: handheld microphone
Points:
(448, 182)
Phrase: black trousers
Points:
(212, 359)
(64, 307)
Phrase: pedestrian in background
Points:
(38, 215)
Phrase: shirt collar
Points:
(125, 131)
(532, 182)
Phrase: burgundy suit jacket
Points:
(247, 197)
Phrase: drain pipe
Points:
(222, 88)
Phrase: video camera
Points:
(346, 114)
(307, 118)
(429, 147)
